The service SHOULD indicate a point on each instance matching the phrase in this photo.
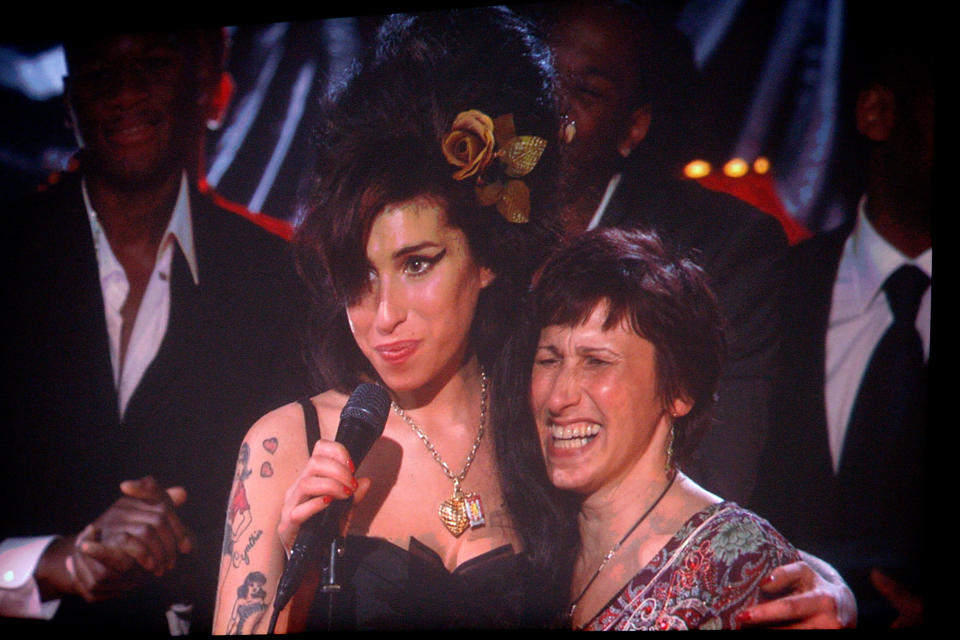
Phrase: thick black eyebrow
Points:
(403, 251)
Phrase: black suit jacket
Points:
(231, 353)
(739, 247)
(797, 489)
(798, 444)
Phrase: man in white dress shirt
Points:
(192, 313)
(837, 477)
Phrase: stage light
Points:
(761, 165)
(735, 168)
(697, 169)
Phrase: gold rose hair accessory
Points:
(472, 145)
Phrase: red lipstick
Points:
(397, 352)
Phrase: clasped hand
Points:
(136, 539)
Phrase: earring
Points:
(669, 464)
(568, 129)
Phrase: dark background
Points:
(771, 85)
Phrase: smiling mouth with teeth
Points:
(573, 436)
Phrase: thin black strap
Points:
(310, 417)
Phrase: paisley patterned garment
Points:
(703, 577)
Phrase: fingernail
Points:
(352, 468)
(349, 491)
(355, 484)
(743, 617)
(327, 499)
(770, 578)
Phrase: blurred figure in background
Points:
(843, 474)
(625, 78)
(150, 328)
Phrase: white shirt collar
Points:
(179, 230)
(867, 262)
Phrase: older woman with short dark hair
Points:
(620, 350)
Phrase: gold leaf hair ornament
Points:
(475, 141)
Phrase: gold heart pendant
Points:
(453, 514)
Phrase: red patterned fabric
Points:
(710, 571)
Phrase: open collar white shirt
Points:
(859, 316)
(150, 325)
(19, 593)
(602, 207)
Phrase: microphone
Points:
(361, 423)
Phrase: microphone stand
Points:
(328, 587)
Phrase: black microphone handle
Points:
(361, 423)
(320, 528)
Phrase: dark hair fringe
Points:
(664, 297)
(379, 142)
(661, 294)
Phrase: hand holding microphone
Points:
(327, 477)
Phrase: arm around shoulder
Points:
(806, 594)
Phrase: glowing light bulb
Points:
(735, 168)
(697, 169)
(761, 165)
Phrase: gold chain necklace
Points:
(461, 510)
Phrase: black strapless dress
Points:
(387, 587)
(384, 586)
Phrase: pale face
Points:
(594, 397)
(413, 323)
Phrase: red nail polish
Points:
(355, 484)
(327, 499)
(352, 468)
(743, 617)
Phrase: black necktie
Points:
(881, 469)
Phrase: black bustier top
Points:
(384, 586)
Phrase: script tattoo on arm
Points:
(252, 552)
(245, 557)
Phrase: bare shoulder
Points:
(279, 434)
(685, 499)
(282, 421)
(282, 433)
(329, 404)
(694, 495)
